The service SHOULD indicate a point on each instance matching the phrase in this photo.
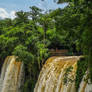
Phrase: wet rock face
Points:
(58, 75)
(11, 75)
(1, 64)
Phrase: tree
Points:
(21, 17)
(34, 13)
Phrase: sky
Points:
(8, 8)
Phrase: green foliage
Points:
(23, 54)
(82, 66)
(90, 64)
(66, 75)
(25, 42)
(34, 13)
(21, 17)
(30, 39)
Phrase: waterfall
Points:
(58, 75)
(12, 74)
(84, 86)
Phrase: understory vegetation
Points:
(31, 35)
(82, 67)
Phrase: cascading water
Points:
(12, 75)
(58, 75)
(84, 86)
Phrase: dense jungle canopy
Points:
(32, 34)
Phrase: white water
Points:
(51, 78)
(11, 75)
(52, 75)
(85, 87)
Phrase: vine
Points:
(82, 66)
